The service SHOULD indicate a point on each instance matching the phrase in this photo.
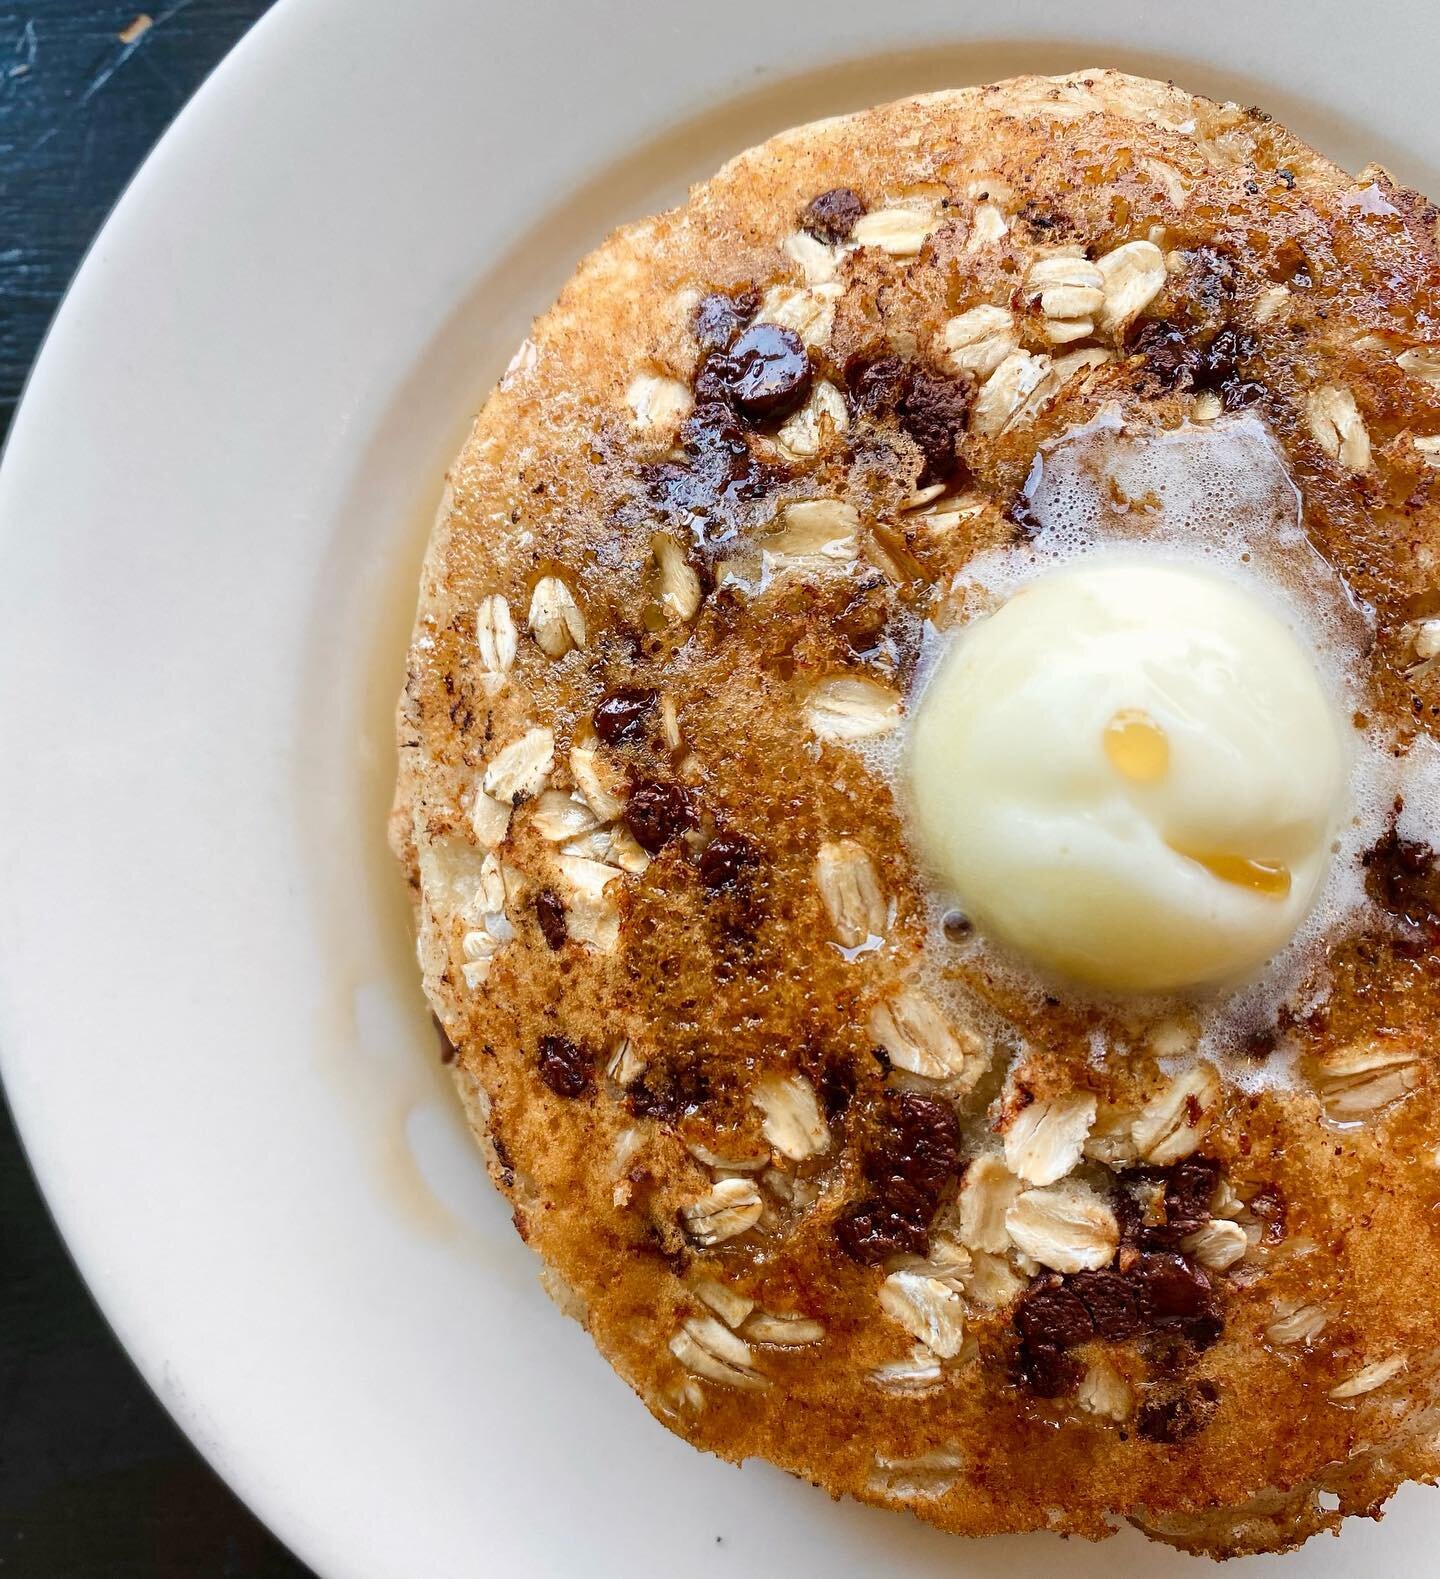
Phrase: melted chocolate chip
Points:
(657, 813)
(1046, 1372)
(924, 1142)
(837, 1088)
(931, 407)
(932, 411)
(1176, 359)
(568, 1070)
(713, 383)
(712, 431)
(726, 859)
(720, 474)
(1111, 1302)
(1402, 876)
(1189, 1188)
(1241, 394)
(1174, 1294)
(1160, 1293)
(1056, 1314)
(669, 1093)
(832, 216)
(875, 384)
(911, 1159)
(766, 372)
(550, 913)
(1051, 1315)
(719, 318)
(620, 717)
(1174, 1418)
(1170, 359)
(881, 1227)
(1221, 359)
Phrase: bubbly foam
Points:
(1215, 496)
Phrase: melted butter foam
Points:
(1214, 496)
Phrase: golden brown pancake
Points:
(823, 1184)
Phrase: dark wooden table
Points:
(95, 1480)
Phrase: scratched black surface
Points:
(94, 1478)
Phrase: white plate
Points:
(211, 516)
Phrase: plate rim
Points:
(229, 75)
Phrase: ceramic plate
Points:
(211, 518)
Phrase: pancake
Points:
(829, 1177)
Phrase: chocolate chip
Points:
(1111, 1303)
(1051, 1315)
(837, 1088)
(832, 216)
(726, 859)
(1170, 1289)
(1241, 394)
(652, 1100)
(919, 1144)
(1056, 1314)
(713, 430)
(910, 1160)
(1175, 1294)
(1170, 359)
(568, 1070)
(1046, 1372)
(1402, 876)
(1221, 359)
(620, 716)
(657, 813)
(766, 373)
(709, 488)
(550, 913)
(666, 1094)
(713, 382)
(1174, 1418)
(1189, 1189)
(719, 318)
(932, 411)
(878, 1228)
(875, 384)
(930, 407)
